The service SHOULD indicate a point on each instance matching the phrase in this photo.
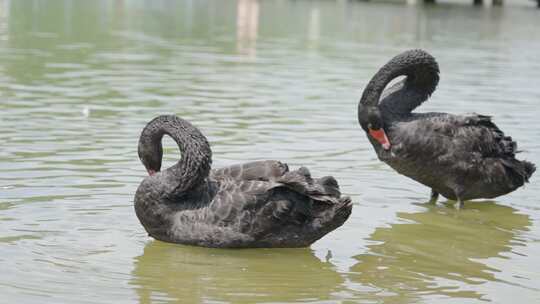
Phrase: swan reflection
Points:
(168, 272)
(247, 26)
(438, 252)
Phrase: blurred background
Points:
(262, 80)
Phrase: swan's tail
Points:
(307, 220)
(529, 169)
(519, 170)
(328, 205)
(324, 190)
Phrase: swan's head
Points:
(150, 154)
(372, 122)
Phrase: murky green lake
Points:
(263, 80)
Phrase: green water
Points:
(263, 80)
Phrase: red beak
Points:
(381, 137)
(151, 172)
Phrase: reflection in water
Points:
(314, 25)
(193, 274)
(247, 24)
(439, 251)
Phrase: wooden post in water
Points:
(433, 1)
(478, 2)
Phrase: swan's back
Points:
(257, 170)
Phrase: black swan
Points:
(462, 157)
(257, 204)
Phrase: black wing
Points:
(468, 144)
(259, 206)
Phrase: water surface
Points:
(263, 80)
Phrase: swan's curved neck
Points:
(422, 73)
(194, 165)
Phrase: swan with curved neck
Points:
(462, 157)
(257, 204)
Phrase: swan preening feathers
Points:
(264, 204)
(462, 157)
(257, 204)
